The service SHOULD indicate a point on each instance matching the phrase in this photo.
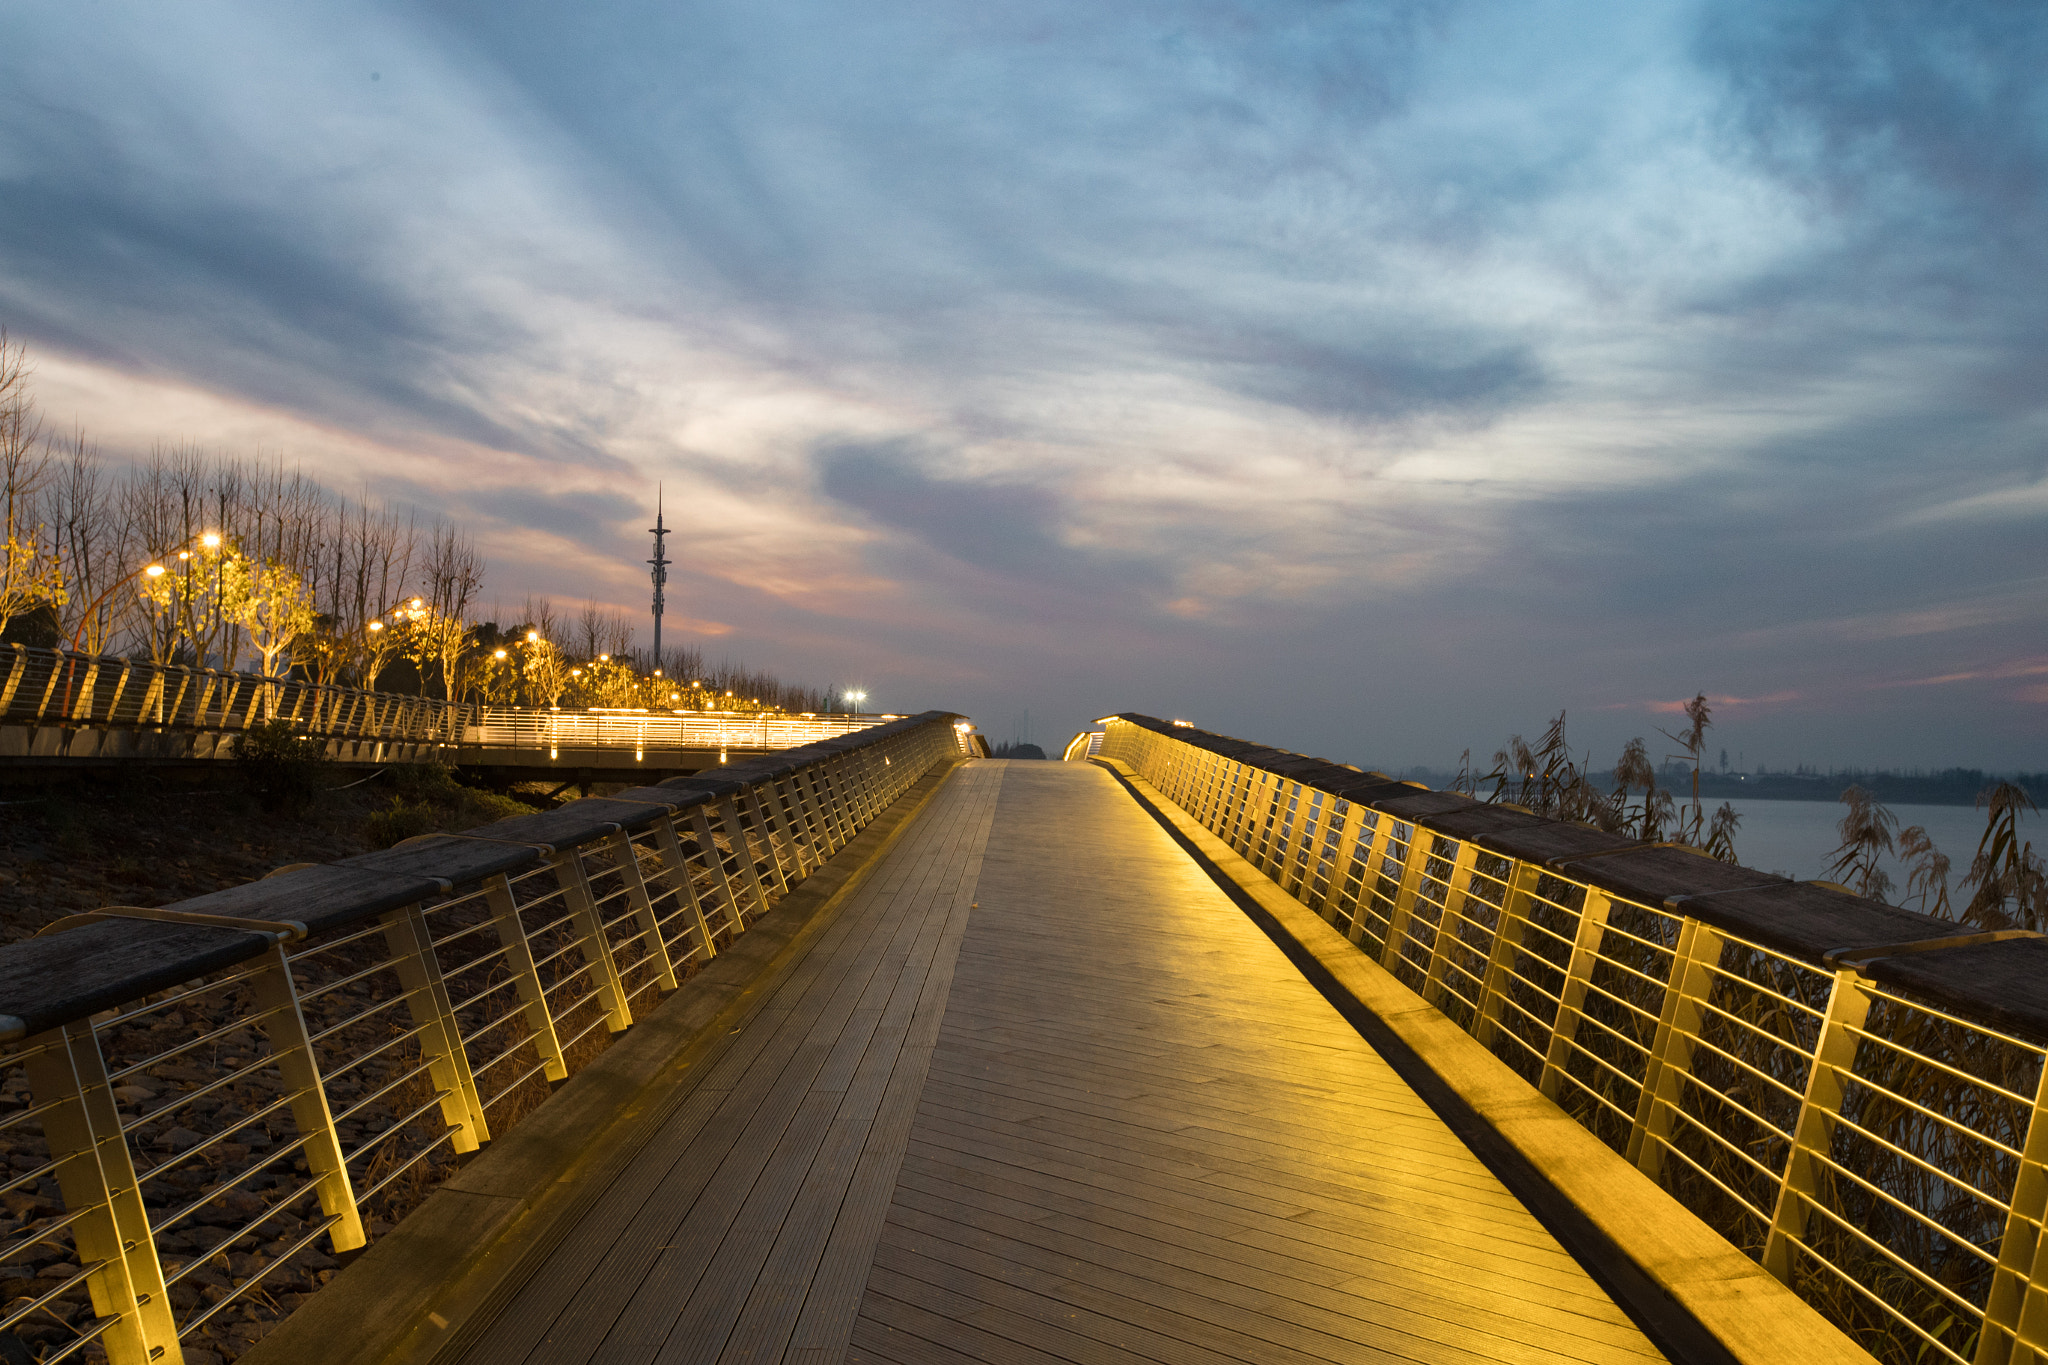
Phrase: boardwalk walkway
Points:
(1043, 1094)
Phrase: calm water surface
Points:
(1797, 837)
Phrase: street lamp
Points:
(856, 698)
(151, 570)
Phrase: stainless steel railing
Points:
(203, 1104)
(1851, 1093)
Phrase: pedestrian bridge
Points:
(62, 709)
(1191, 1052)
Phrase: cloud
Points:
(1486, 365)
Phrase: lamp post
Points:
(153, 569)
(211, 540)
(856, 698)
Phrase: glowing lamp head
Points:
(154, 571)
(184, 554)
(575, 672)
(210, 540)
(417, 604)
(604, 658)
(533, 637)
(499, 655)
(374, 625)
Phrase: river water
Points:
(1797, 837)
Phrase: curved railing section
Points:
(1848, 1091)
(202, 1102)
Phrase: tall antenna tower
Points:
(659, 566)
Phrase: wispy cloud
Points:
(1488, 364)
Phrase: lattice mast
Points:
(658, 571)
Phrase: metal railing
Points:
(47, 686)
(56, 687)
(504, 728)
(1849, 1092)
(202, 1103)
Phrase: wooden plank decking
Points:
(1043, 1094)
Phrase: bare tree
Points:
(586, 637)
(31, 574)
(539, 615)
(453, 574)
(79, 509)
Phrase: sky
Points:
(1371, 380)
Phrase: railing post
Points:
(743, 849)
(676, 867)
(49, 686)
(17, 669)
(2016, 1312)
(1572, 996)
(1347, 843)
(831, 803)
(1507, 941)
(96, 1174)
(831, 778)
(411, 941)
(599, 970)
(1413, 859)
(533, 996)
(757, 811)
(794, 826)
(285, 1025)
(1457, 894)
(1834, 1056)
(1686, 992)
(627, 858)
(701, 827)
(804, 783)
(120, 690)
(860, 794)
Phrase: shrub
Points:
(287, 767)
(430, 799)
(399, 821)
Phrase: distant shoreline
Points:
(1953, 788)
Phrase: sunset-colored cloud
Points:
(1197, 358)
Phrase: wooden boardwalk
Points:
(1043, 1094)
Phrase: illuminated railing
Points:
(197, 1099)
(54, 687)
(1850, 1092)
(640, 730)
(57, 687)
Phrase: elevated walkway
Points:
(1039, 1091)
